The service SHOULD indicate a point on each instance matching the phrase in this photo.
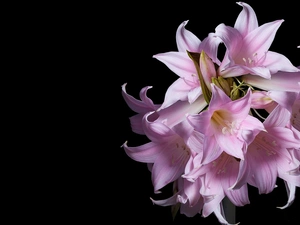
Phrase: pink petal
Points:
(231, 37)
(178, 62)
(164, 171)
(259, 40)
(210, 46)
(146, 153)
(177, 112)
(280, 81)
(186, 40)
(264, 170)
(277, 62)
(291, 191)
(247, 20)
(157, 131)
(178, 90)
(136, 105)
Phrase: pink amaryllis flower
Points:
(187, 87)
(269, 156)
(167, 151)
(216, 178)
(186, 191)
(226, 125)
(247, 47)
(205, 193)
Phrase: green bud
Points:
(224, 84)
(195, 58)
(235, 93)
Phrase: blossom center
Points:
(253, 60)
(221, 120)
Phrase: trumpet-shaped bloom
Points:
(216, 178)
(187, 86)
(268, 156)
(167, 151)
(204, 194)
(226, 125)
(248, 46)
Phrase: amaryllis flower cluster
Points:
(224, 123)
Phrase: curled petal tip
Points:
(124, 144)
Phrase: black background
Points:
(141, 30)
(71, 120)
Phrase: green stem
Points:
(229, 210)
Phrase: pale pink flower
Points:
(216, 178)
(205, 194)
(248, 46)
(167, 151)
(187, 86)
(269, 157)
(226, 125)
